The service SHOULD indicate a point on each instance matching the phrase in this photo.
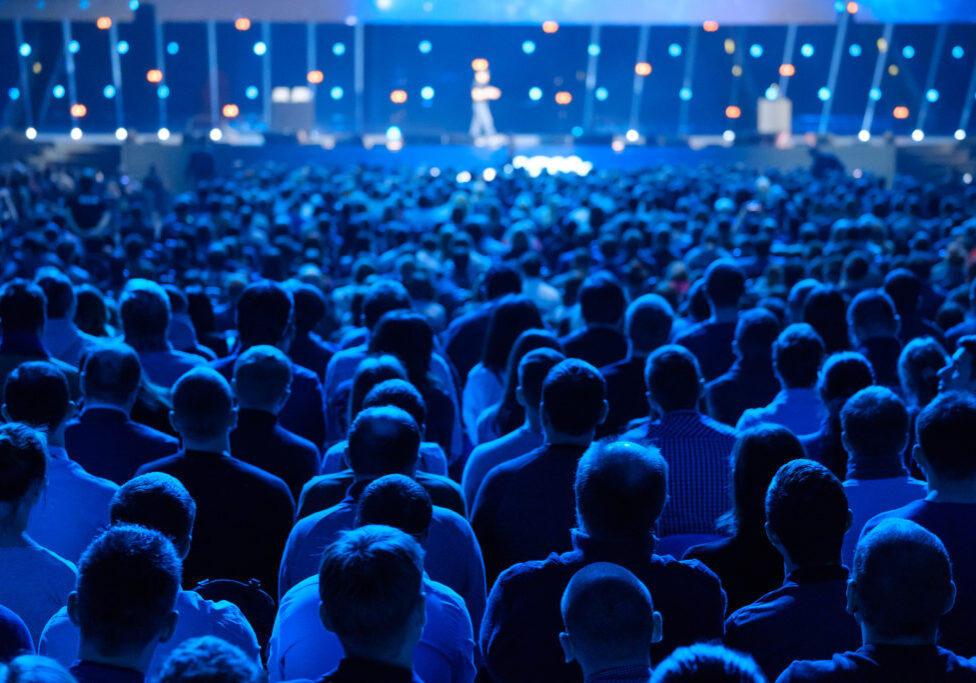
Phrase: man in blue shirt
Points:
(807, 516)
(620, 491)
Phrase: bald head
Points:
(262, 377)
(383, 440)
(111, 375)
(203, 405)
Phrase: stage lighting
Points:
(900, 112)
(563, 97)
(852, 7)
(685, 94)
(893, 69)
(593, 50)
(787, 70)
(13, 93)
(854, 50)
(864, 135)
(339, 49)
(549, 27)
(215, 134)
(427, 92)
(729, 136)
(960, 134)
(528, 47)
(25, 50)
(74, 46)
(806, 50)
(576, 131)
(336, 93)
(58, 92)
(736, 70)
(918, 135)
(733, 112)
(108, 91)
(617, 146)
(398, 96)
(489, 174)
(104, 23)
(756, 50)
(674, 50)
(424, 46)
(464, 177)
(479, 64)
(242, 24)
(154, 76)
(315, 77)
(632, 135)
(535, 94)
(260, 48)
(251, 92)
(36, 67)
(823, 94)
(133, 5)
(710, 26)
(882, 45)
(875, 94)
(30, 133)
(602, 93)
(122, 47)
(394, 133)
(729, 46)
(772, 92)
(230, 111)
(958, 52)
(172, 47)
(162, 92)
(932, 95)
(163, 134)
(76, 133)
(642, 69)
(121, 134)
(908, 52)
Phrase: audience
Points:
(711, 340)
(874, 327)
(602, 305)
(207, 660)
(707, 664)
(62, 338)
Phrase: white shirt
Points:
(799, 410)
(34, 584)
(869, 497)
(483, 389)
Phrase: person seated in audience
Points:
(262, 381)
(208, 659)
(401, 394)
(602, 305)
(959, 374)
(160, 502)
(797, 354)
(23, 318)
(73, 504)
(384, 441)
(702, 663)
(532, 371)
(695, 446)
(750, 382)
(243, 513)
(15, 637)
(124, 604)
(620, 491)
(648, 324)
(904, 289)
(308, 349)
(61, 337)
(103, 438)
(875, 432)
(711, 340)
(746, 562)
(946, 453)
(145, 312)
(299, 647)
(874, 326)
(609, 622)
(824, 310)
(30, 668)
(265, 317)
(35, 581)
(806, 518)
(538, 485)
(901, 587)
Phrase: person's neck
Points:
(13, 528)
(556, 438)
(55, 437)
(941, 490)
(532, 421)
(789, 566)
(272, 409)
(220, 444)
(785, 387)
(402, 658)
(870, 636)
(724, 315)
(137, 661)
(591, 667)
(149, 343)
(91, 402)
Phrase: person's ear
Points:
(232, 419)
(174, 421)
(5, 413)
(70, 411)
(604, 412)
(73, 607)
(951, 598)
(520, 396)
(284, 398)
(169, 627)
(923, 463)
(657, 633)
(852, 599)
(566, 643)
(844, 441)
(848, 521)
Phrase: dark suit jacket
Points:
(327, 490)
(744, 386)
(311, 353)
(598, 346)
(260, 441)
(107, 443)
(626, 395)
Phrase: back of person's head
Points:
(262, 377)
(608, 615)
(944, 432)
(901, 581)
(499, 280)
(145, 313)
(264, 314)
(673, 378)
(397, 501)
(22, 307)
(510, 413)
(702, 663)
(382, 297)
(370, 585)
(37, 393)
(309, 306)
(400, 394)
(904, 289)
(34, 669)
(757, 455)
(918, 369)
(203, 404)
(128, 579)
(111, 374)
(798, 297)
(58, 291)
(23, 463)
(409, 337)
(621, 489)
(843, 375)
(511, 316)
(602, 299)
(157, 501)
(209, 659)
(533, 369)
(755, 333)
(370, 372)
(797, 354)
(824, 309)
(724, 284)
(872, 314)
(648, 321)
(574, 397)
(874, 423)
(807, 513)
(383, 440)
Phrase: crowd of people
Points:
(357, 424)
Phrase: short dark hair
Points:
(264, 313)
(128, 579)
(409, 337)
(145, 312)
(807, 508)
(397, 501)
(383, 440)
(156, 501)
(602, 299)
(944, 432)
(797, 355)
(573, 396)
(872, 311)
(382, 297)
(649, 319)
(724, 283)
(111, 373)
(369, 584)
(918, 369)
(203, 401)
(757, 455)
(310, 305)
(673, 378)
(875, 422)
(511, 316)
(501, 279)
(58, 291)
(903, 578)
(262, 375)
(712, 663)
(399, 393)
(824, 308)
(621, 489)
(843, 374)
(608, 611)
(37, 393)
(209, 659)
(22, 306)
(756, 332)
(532, 372)
(904, 289)
(23, 461)
(371, 371)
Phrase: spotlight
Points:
(900, 112)
(864, 135)
(823, 94)
(787, 70)
(13, 93)
(427, 92)
(154, 76)
(162, 92)
(172, 47)
(918, 135)
(550, 26)
(242, 24)
(121, 134)
(104, 23)
(674, 50)
(163, 134)
(908, 52)
(122, 47)
(315, 77)
(958, 52)
(424, 46)
(336, 93)
(806, 50)
(563, 97)
(398, 96)
(260, 48)
(932, 95)
(479, 64)
(755, 50)
(251, 92)
(489, 174)
(74, 46)
(230, 111)
(339, 49)
(78, 111)
(601, 93)
(30, 133)
(729, 136)
(25, 50)
(215, 134)
(76, 133)
(642, 69)
(710, 26)
(593, 50)
(733, 112)
(535, 94)
(875, 94)
(854, 50)
(960, 134)
(685, 94)
(632, 135)
(528, 47)
(394, 133)
(58, 92)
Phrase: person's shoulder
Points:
(447, 518)
(68, 369)
(690, 570)
(838, 668)
(264, 479)
(303, 374)
(188, 358)
(146, 432)
(718, 427)
(691, 331)
(447, 599)
(163, 464)
(82, 475)
(908, 511)
(533, 573)
(295, 441)
(54, 564)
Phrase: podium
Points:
(774, 117)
